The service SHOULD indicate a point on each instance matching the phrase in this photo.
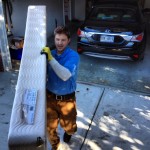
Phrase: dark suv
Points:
(114, 29)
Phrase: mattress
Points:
(31, 77)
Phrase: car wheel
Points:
(142, 58)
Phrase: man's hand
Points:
(47, 51)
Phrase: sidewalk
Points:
(108, 119)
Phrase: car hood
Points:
(113, 27)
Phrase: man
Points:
(61, 85)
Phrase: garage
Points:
(58, 13)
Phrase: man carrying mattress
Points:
(61, 85)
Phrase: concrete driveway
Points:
(107, 118)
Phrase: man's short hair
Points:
(62, 30)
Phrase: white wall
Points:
(80, 9)
(54, 11)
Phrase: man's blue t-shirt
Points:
(70, 60)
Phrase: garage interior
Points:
(71, 13)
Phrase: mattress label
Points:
(29, 105)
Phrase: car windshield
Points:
(113, 14)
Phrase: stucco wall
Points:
(54, 11)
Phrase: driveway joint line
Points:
(92, 118)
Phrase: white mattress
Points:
(32, 75)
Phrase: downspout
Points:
(4, 48)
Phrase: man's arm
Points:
(62, 72)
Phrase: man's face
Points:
(61, 41)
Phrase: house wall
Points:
(54, 10)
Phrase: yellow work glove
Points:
(46, 50)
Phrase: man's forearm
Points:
(62, 72)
